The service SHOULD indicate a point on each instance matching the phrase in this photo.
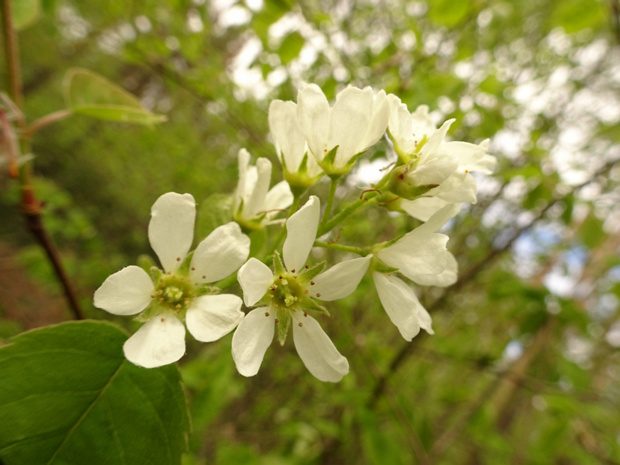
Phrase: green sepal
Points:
(155, 273)
(300, 180)
(146, 262)
(312, 305)
(380, 267)
(308, 273)
(403, 186)
(278, 265)
(330, 157)
(183, 270)
(207, 289)
(283, 325)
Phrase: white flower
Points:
(402, 305)
(254, 201)
(286, 297)
(300, 169)
(421, 255)
(435, 172)
(357, 120)
(177, 293)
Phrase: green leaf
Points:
(25, 13)
(87, 93)
(290, 47)
(575, 15)
(214, 211)
(448, 13)
(591, 232)
(68, 395)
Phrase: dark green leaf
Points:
(69, 396)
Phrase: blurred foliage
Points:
(523, 367)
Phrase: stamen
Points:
(178, 259)
(300, 325)
(163, 319)
(266, 313)
(277, 321)
(318, 294)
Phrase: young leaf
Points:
(89, 94)
(68, 395)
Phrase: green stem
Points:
(330, 199)
(365, 199)
(44, 121)
(344, 248)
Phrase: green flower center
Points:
(174, 292)
(286, 291)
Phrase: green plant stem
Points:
(330, 199)
(344, 248)
(365, 199)
(44, 121)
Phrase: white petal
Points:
(279, 197)
(245, 184)
(220, 254)
(402, 305)
(441, 217)
(349, 122)
(400, 125)
(301, 230)
(317, 351)
(433, 170)
(458, 188)
(254, 202)
(436, 139)
(423, 208)
(446, 278)
(286, 133)
(422, 123)
(211, 317)
(417, 254)
(126, 292)
(313, 115)
(255, 278)
(159, 342)
(171, 228)
(251, 340)
(340, 280)
(378, 121)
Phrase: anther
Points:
(306, 291)
(312, 283)
(280, 277)
(204, 277)
(305, 314)
(276, 305)
(161, 299)
(307, 267)
(300, 325)
(277, 321)
(193, 269)
(163, 319)
(178, 259)
(318, 294)
(292, 271)
(266, 313)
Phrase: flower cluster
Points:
(281, 286)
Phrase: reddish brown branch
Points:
(31, 209)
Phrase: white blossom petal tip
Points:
(317, 351)
(159, 342)
(301, 232)
(254, 278)
(126, 292)
(171, 229)
(252, 339)
(210, 317)
(341, 279)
